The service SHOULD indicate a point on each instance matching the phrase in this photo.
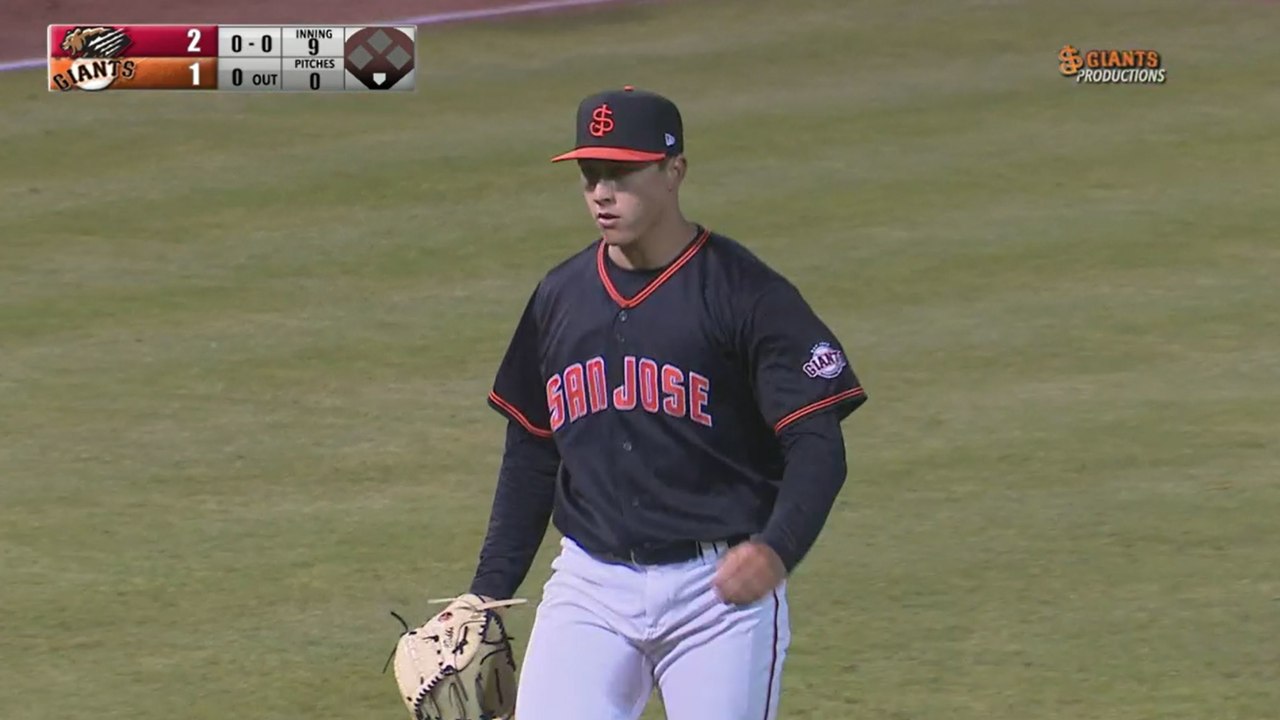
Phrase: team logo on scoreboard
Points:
(97, 63)
(98, 42)
(379, 57)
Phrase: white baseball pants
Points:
(605, 633)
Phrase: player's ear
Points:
(675, 169)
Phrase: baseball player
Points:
(674, 406)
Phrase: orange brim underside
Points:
(609, 153)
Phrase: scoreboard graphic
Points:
(240, 58)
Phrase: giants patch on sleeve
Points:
(798, 364)
(825, 362)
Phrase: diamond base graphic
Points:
(380, 58)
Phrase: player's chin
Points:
(616, 236)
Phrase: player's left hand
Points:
(748, 572)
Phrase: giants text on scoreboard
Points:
(246, 58)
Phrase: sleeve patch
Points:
(825, 362)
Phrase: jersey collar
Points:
(654, 284)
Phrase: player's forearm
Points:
(815, 472)
(521, 511)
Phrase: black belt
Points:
(668, 553)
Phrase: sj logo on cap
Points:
(601, 120)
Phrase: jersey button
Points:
(622, 316)
(626, 445)
(620, 338)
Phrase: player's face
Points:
(626, 199)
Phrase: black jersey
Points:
(665, 398)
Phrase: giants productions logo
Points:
(96, 57)
(824, 362)
(1114, 67)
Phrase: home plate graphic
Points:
(381, 58)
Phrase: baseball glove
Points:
(459, 664)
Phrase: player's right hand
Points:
(748, 572)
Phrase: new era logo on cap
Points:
(627, 125)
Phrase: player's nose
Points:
(602, 192)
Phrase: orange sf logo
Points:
(1069, 60)
(601, 121)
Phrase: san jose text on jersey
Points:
(665, 391)
(584, 388)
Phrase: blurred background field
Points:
(245, 343)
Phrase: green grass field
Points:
(245, 343)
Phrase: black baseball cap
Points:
(629, 125)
